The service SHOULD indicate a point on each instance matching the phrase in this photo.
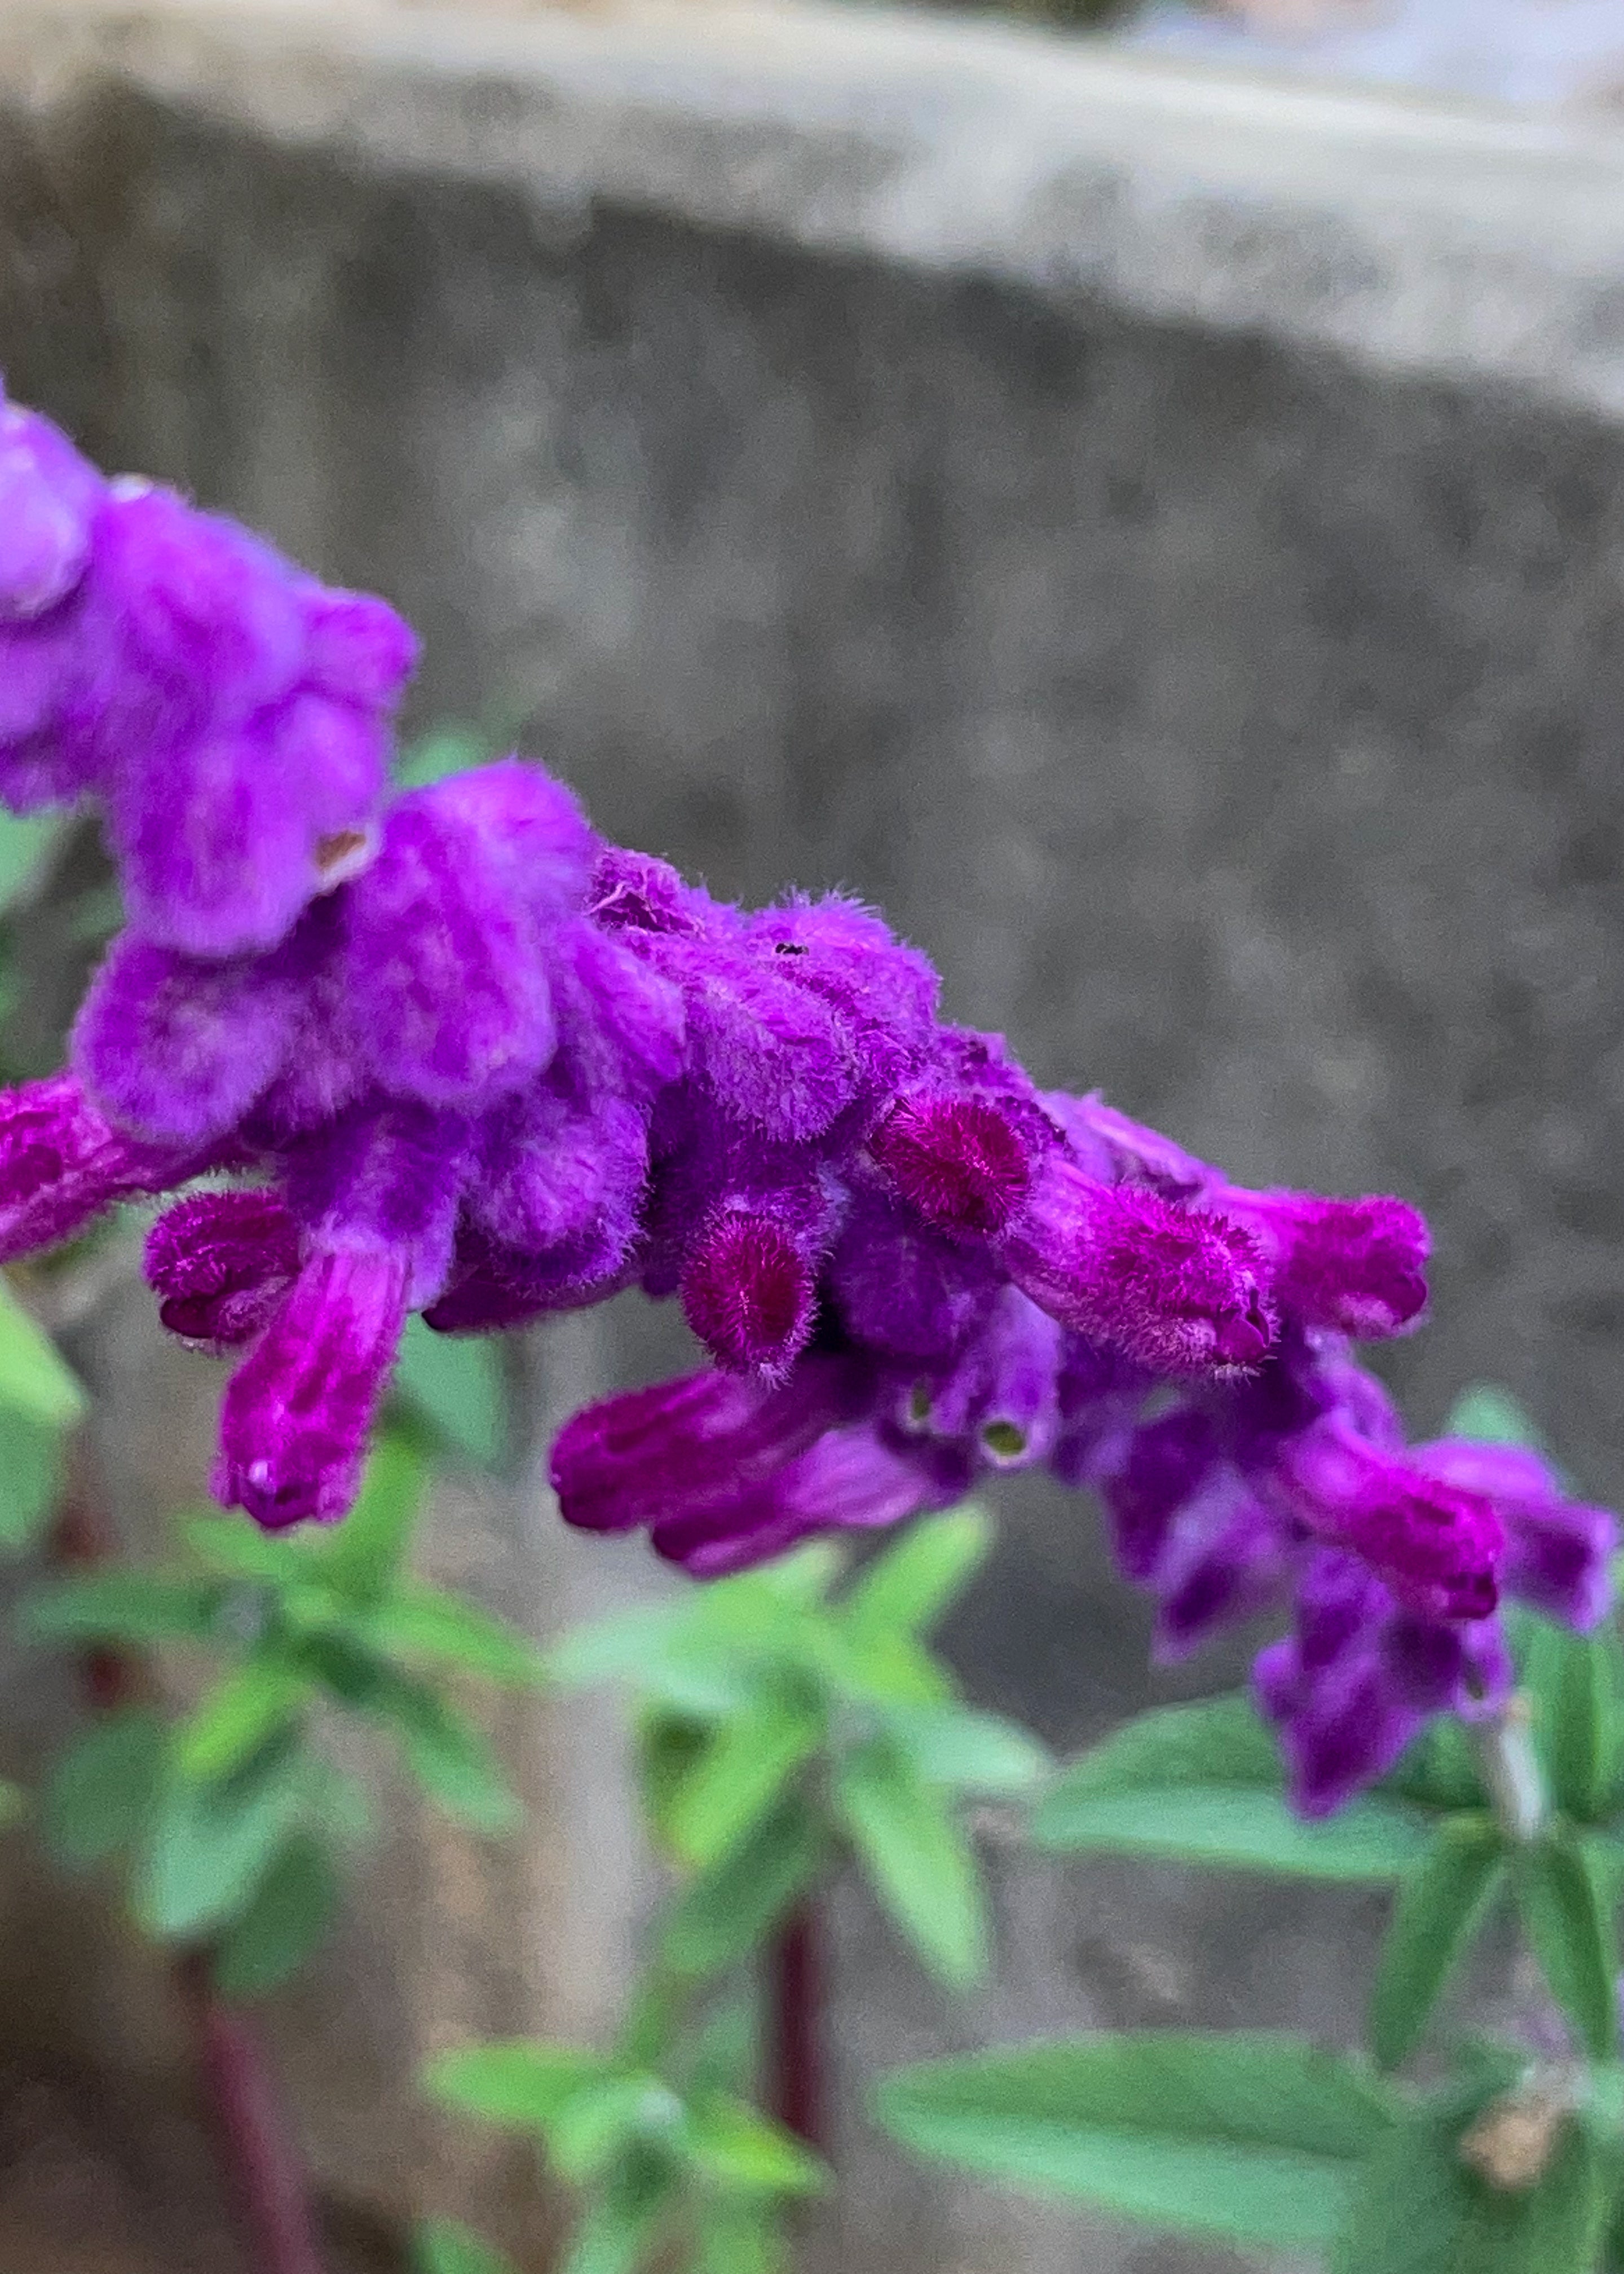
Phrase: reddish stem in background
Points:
(794, 1994)
(263, 2169)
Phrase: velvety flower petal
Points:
(1171, 1460)
(48, 496)
(1176, 1289)
(1003, 1393)
(850, 1480)
(219, 1264)
(1118, 1151)
(62, 1163)
(960, 1162)
(355, 648)
(1355, 1266)
(390, 1177)
(904, 1291)
(177, 1050)
(1438, 1546)
(293, 1425)
(882, 993)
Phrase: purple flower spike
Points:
(1355, 1267)
(294, 1424)
(219, 1263)
(1439, 1546)
(959, 1162)
(62, 1163)
(1175, 1289)
(749, 1294)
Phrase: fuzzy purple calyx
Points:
(220, 1262)
(959, 1162)
(749, 1294)
(62, 1163)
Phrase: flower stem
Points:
(795, 2004)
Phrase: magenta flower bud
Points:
(959, 1162)
(294, 1424)
(749, 1294)
(219, 1264)
(1437, 1545)
(1175, 1289)
(1354, 1267)
(61, 1163)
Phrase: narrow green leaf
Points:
(451, 1759)
(1438, 1770)
(735, 2238)
(250, 1704)
(441, 2247)
(1442, 1903)
(369, 1548)
(426, 1624)
(624, 1648)
(728, 1911)
(921, 1863)
(1570, 1678)
(120, 1607)
(1489, 1415)
(883, 1668)
(30, 1477)
(740, 2151)
(909, 1586)
(519, 2084)
(1571, 1932)
(740, 1774)
(292, 1908)
(102, 1788)
(598, 2125)
(1218, 1742)
(1565, 2219)
(800, 1579)
(1251, 2138)
(35, 1379)
(208, 1847)
(1411, 2206)
(455, 1381)
(616, 2236)
(967, 1750)
(1236, 1829)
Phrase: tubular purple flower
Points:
(1559, 1553)
(1438, 1546)
(220, 1262)
(294, 1424)
(63, 1164)
(1176, 1289)
(1355, 1267)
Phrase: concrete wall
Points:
(1161, 539)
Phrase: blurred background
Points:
(1141, 501)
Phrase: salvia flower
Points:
(447, 1052)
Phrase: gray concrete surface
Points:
(1161, 537)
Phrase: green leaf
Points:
(623, 1648)
(102, 1788)
(967, 1750)
(120, 1607)
(209, 1846)
(292, 1908)
(1570, 1678)
(617, 2235)
(740, 1774)
(1438, 1770)
(369, 1548)
(27, 842)
(35, 1379)
(519, 2084)
(441, 2247)
(451, 1759)
(1570, 1930)
(235, 1718)
(1489, 1415)
(1411, 2206)
(740, 2151)
(1251, 2138)
(736, 2238)
(422, 1622)
(1235, 1829)
(598, 2124)
(920, 1861)
(910, 1585)
(799, 1579)
(30, 1477)
(1219, 1741)
(727, 1912)
(454, 1382)
(1443, 1901)
(237, 1549)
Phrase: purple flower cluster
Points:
(447, 1052)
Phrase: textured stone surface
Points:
(835, 483)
